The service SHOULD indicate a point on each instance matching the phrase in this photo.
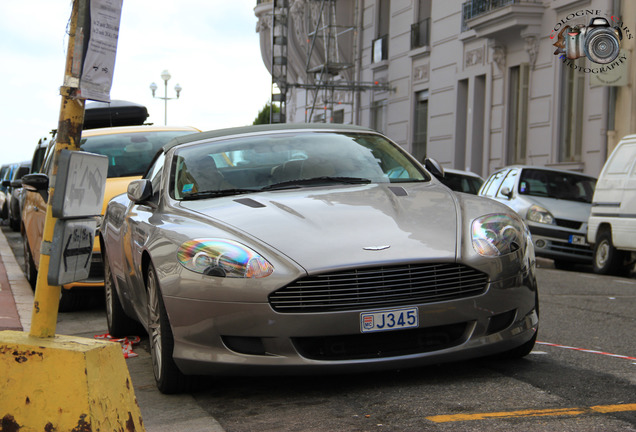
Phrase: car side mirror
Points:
(505, 191)
(434, 168)
(37, 182)
(139, 191)
(16, 183)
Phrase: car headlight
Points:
(223, 258)
(498, 234)
(540, 215)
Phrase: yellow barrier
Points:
(65, 383)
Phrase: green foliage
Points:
(263, 115)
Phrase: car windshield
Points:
(129, 154)
(288, 160)
(555, 184)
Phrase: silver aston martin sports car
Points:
(287, 249)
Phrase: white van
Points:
(612, 224)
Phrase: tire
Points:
(521, 350)
(526, 348)
(168, 377)
(119, 324)
(30, 271)
(14, 224)
(607, 259)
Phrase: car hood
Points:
(563, 209)
(341, 226)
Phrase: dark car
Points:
(462, 181)
(14, 193)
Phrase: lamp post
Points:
(165, 76)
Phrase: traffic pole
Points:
(55, 382)
(69, 132)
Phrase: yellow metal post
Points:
(54, 382)
(47, 298)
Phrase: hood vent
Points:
(249, 202)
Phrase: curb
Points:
(16, 295)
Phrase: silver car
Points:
(554, 203)
(285, 249)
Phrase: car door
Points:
(137, 230)
(34, 212)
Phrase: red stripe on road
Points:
(588, 351)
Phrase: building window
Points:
(420, 31)
(571, 113)
(518, 113)
(378, 116)
(420, 130)
(380, 45)
(338, 116)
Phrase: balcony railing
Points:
(421, 33)
(476, 8)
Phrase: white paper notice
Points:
(99, 64)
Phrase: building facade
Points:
(474, 84)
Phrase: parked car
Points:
(462, 181)
(130, 150)
(554, 203)
(296, 248)
(14, 193)
(612, 224)
(6, 172)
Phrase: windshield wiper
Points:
(316, 181)
(217, 193)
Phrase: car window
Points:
(508, 182)
(621, 160)
(257, 162)
(129, 154)
(557, 184)
(462, 183)
(493, 183)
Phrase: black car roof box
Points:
(114, 113)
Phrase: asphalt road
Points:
(580, 377)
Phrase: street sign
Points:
(79, 184)
(71, 251)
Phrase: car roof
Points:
(534, 167)
(219, 133)
(462, 172)
(132, 129)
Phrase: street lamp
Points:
(165, 76)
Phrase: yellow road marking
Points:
(533, 413)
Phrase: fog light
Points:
(540, 243)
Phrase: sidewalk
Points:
(160, 413)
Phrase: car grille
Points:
(565, 223)
(382, 344)
(379, 287)
(583, 250)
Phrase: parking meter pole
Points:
(47, 298)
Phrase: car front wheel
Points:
(607, 259)
(30, 271)
(168, 377)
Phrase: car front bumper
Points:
(229, 338)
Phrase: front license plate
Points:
(395, 319)
(577, 240)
